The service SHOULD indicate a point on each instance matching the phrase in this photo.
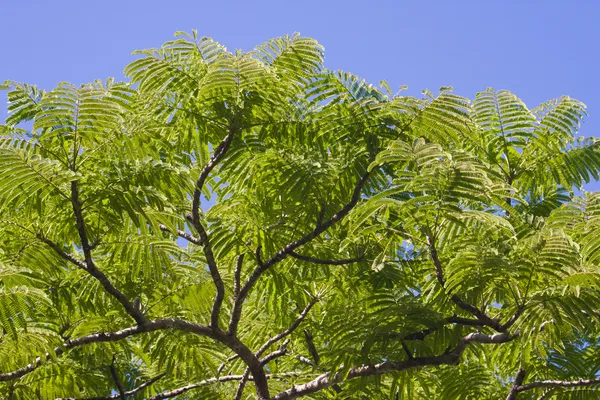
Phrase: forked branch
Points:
(512, 395)
(479, 314)
(450, 358)
(288, 331)
(290, 248)
(227, 378)
(88, 265)
(282, 351)
(273, 340)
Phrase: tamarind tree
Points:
(252, 225)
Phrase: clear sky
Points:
(537, 49)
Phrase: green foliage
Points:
(455, 216)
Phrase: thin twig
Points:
(288, 331)
(181, 234)
(128, 393)
(315, 260)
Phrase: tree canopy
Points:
(252, 225)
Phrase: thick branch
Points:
(327, 380)
(268, 358)
(272, 341)
(289, 248)
(512, 395)
(128, 393)
(253, 363)
(206, 246)
(181, 234)
(324, 261)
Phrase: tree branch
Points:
(313, 364)
(422, 334)
(237, 276)
(558, 384)
(514, 318)
(227, 378)
(312, 349)
(253, 363)
(276, 354)
(409, 354)
(181, 234)
(282, 350)
(101, 337)
(115, 376)
(288, 331)
(327, 380)
(270, 357)
(257, 254)
(206, 246)
(89, 262)
(512, 395)
(289, 248)
(128, 393)
(222, 366)
(325, 261)
(63, 254)
(242, 385)
(439, 273)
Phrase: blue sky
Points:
(537, 49)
